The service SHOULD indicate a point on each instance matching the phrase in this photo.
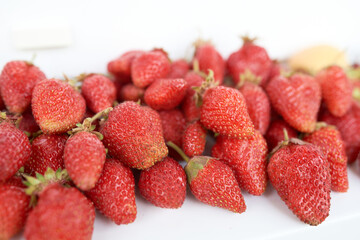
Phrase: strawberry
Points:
(275, 134)
(2, 105)
(335, 90)
(84, 158)
(328, 139)
(114, 193)
(296, 99)
(99, 92)
(194, 139)
(251, 58)
(148, 67)
(133, 134)
(164, 184)
(224, 111)
(130, 92)
(208, 58)
(247, 158)
(27, 122)
(56, 106)
(14, 207)
(258, 106)
(300, 174)
(46, 152)
(121, 67)
(61, 213)
(165, 94)
(173, 125)
(178, 69)
(347, 125)
(189, 108)
(15, 150)
(212, 182)
(18, 80)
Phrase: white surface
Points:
(103, 30)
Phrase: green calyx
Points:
(200, 91)
(36, 185)
(353, 73)
(356, 94)
(286, 142)
(248, 40)
(248, 76)
(87, 126)
(193, 167)
(2, 116)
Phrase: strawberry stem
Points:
(286, 135)
(178, 150)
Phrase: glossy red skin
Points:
(164, 184)
(347, 125)
(148, 67)
(46, 152)
(329, 140)
(178, 69)
(165, 94)
(335, 89)
(209, 58)
(114, 193)
(258, 106)
(250, 57)
(56, 106)
(194, 139)
(130, 92)
(133, 134)
(99, 92)
(28, 123)
(297, 99)
(216, 186)
(15, 150)
(18, 80)
(173, 125)
(188, 106)
(275, 134)
(56, 203)
(84, 158)
(14, 208)
(275, 70)
(224, 111)
(121, 67)
(301, 176)
(247, 158)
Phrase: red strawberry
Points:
(212, 182)
(28, 123)
(130, 92)
(193, 79)
(329, 140)
(164, 184)
(2, 105)
(209, 58)
(296, 99)
(275, 134)
(194, 139)
(247, 158)
(189, 108)
(347, 125)
(15, 150)
(61, 213)
(114, 193)
(148, 67)
(14, 207)
(56, 106)
(46, 152)
(173, 125)
(99, 92)
(275, 69)
(133, 134)
(335, 89)
(165, 94)
(258, 106)
(121, 67)
(178, 69)
(252, 58)
(18, 80)
(300, 174)
(224, 111)
(84, 158)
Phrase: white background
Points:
(102, 30)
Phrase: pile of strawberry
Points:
(71, 146)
